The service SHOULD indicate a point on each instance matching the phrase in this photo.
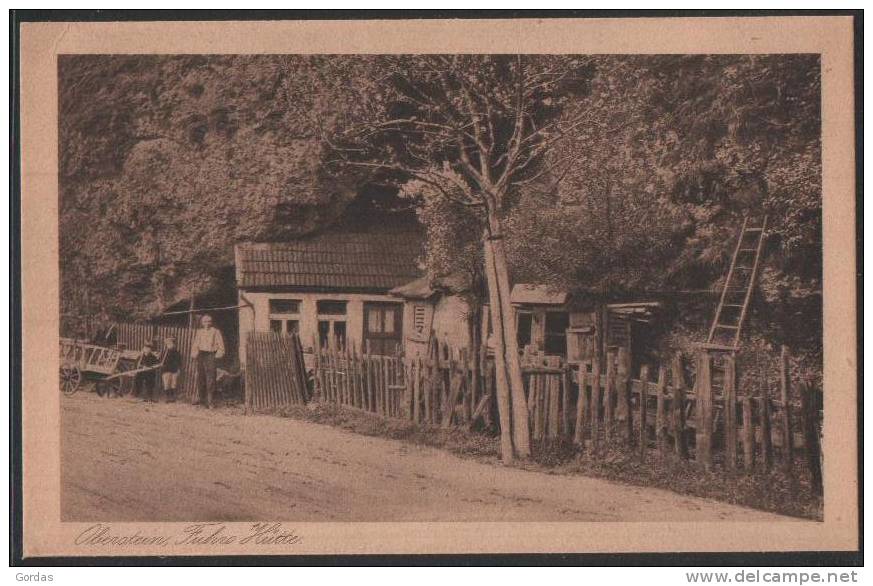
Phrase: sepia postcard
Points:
(483, 286)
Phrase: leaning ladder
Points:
(733, 305)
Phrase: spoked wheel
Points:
(71, 378)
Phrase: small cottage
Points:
(331, 288)
(366, 290)
(548, 320)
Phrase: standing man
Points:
(208, 346)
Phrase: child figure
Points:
(144, 382)
(170, 369)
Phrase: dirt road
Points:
(123, 460)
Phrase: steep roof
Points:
(372, 262)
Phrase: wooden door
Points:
(383, 328)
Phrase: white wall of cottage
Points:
(258, 318)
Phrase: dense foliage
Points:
(635, 178)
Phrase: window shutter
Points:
(418, 318)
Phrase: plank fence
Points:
(655, 412)
(444, 387)
(710, 420)
(275, 374)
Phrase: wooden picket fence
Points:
(711, 420)
(440, 388)
(275, 374)
(134, 336)
(369, 382)
(593, 405)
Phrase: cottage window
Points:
(388, 316)
(283, 306)
(555, 343)
(383, 327)
(617, 332)
(285, 326)
(331, 322)
(339, 333)
(331, 333)
(380, 320)
(331, 307)
(280, 310)
(524, 327)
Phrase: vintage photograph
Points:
(440, 287)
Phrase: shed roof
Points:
(529, 294)
(419, 289)
(331, 260)
(424, 288)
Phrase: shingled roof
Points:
(371, 262)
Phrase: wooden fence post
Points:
(467, 397)
(566, 385)
(582, 407)
(536, 406)
(704, 409)
(416, 390)
(347, 379)
(372, 383)
(608, 408)
(748, 435)
(730, 411)
(456, 381)
(766, 434)
(624, 389)
(679, 441)
(595, 404)
(427, 389)
(249, 383)
(811, 446)
(554, 386)
(660, 413)
(408, 391)
(644, 388)
(386, 383)
(785, 391)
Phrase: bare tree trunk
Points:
(503, 392)
(502, 318)
(521, 428)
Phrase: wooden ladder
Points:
(733, 305)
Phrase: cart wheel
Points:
(71, 377)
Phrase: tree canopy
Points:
(643, 174)
(630, 173)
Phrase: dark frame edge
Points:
(16, 558)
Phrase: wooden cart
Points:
(109, 368)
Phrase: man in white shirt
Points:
(207, 347)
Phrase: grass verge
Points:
(771, 491)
